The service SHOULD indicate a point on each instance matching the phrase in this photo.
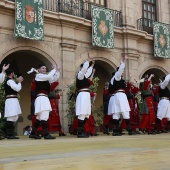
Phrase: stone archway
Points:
(152, 64)
(22, 61)
(14, 45)
(105, 64)
(103, 71)
(159, 74)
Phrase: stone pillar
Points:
(68, 77)
(128, 13)
(133, 66)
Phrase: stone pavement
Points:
(139, 152)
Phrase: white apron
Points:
(12, 107)
(42, 103)
(163, 109)
(83, 104)
(118, 103)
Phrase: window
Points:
(149, 9)
(149, 15)
(98, 2)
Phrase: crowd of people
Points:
(121, 107)
(122, 110)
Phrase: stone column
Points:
(68, 77)
(128, 13)
(132, 67)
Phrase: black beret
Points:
(9, 71)
(40, 65)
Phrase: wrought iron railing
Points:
(145, 24)
(77, 8)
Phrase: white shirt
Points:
(165, 82)
(55, 77)
(45, 77)
(85, 71)
(118, 73)
(16, 87)
(2, 77)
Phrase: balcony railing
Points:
(145, 24)
(77, 8)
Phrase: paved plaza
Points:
(139, 152)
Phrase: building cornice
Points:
(68, 47)
(62, 19)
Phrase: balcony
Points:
(77, 8)
(145, 24)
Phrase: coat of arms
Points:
(103, 28)
(162, 41)
(30, 14)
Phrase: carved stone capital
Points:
(68, 47)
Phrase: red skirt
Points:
(90, 125)
(54, 123)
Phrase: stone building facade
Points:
(68, 39)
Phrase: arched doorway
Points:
(103, 71)
(21, 62)
(159, 74)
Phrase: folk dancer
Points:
(164, 103)
(118, 103)
(42, 103)
(131, 90)
(148, 117)
(83, 101)
(12, 106)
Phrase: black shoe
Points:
(62, 134)
(73, 133)
(151, 133)
(34, 136)
(82, 135)
(137, 132)
(105, 131)
(12, 137)
(165, 131)
(116, 134)
(95, 134)
(132, 133)
(49, 137)
(158, 132)
(143, 131)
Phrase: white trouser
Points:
(124, 114)
(13, 118)
(44, 115)
(82, 117)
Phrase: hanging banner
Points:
(161, 40)
(102, 27)
(29, 19)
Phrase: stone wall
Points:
(68, 40)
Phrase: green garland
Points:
(2, 105)
(71, 102)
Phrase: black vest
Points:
(164, 92)
(42, 86)
(8, 89)
(82, 83)
(117, 85)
